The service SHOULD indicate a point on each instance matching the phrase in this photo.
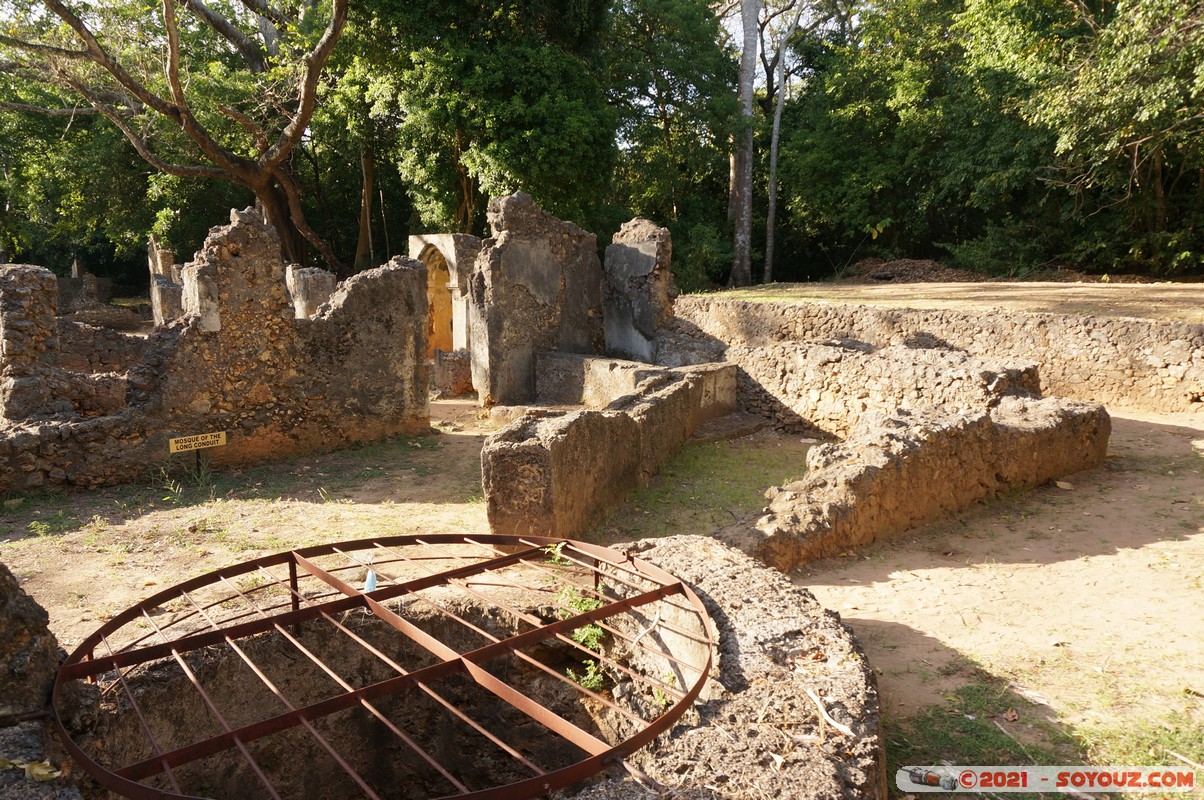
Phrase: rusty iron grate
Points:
(532, 598)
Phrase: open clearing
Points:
(1183, 302)
(1061, 625)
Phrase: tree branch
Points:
(314, 62)
(45, 49)
(264, 10)
(248, 124)
(247, 47)
(173, 56)
(99, 56)
(180, 170)
(293, 194)
(30, 108)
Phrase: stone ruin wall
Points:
(902, 469)
(555, 472)
(238, 360)
(535, 285)
(1135, 363)
(928, 430)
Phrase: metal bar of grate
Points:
(287, 590)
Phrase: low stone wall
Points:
(1128, 362)
(900, 470)
(828, 386)
(552, 473)
(90, 349)
(775, 642)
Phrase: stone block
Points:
(29, 653)
(453, 372)
(167, 300)
(637, 290)
(536, 285)
(309, 288)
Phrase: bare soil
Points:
(1085, 596)
(908, 283)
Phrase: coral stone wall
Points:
(87, 348)
(557, 473)
(238, 361)
(830, 385)
(1128, 362)
(899, 470)
(536, 285)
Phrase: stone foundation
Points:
(775, 643)
(899, 470)
(1135, 363)
(556, 473)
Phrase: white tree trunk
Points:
(750, 12)
(773, 146)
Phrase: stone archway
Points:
(439, 287)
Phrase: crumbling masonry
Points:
(85, 406)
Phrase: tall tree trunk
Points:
(750, 12)
(364, 256)
(773, 146)
(274, 204)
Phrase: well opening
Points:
(408, 667)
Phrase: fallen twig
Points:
(823, 712)
(1013, 738)
(1185, 760)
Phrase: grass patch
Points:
(1148, 744)
(708, 486)
(983, 723)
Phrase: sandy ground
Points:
(1165, 301)
(1087, 595)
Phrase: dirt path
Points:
(1086, 598)
(1165, 301)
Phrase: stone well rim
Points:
(294, 570)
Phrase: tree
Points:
(669, 77)
(1120, 87)
(225, 92)
(742, 172)
(779, 66)
(500, 96)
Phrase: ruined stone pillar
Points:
(536, 285)
(28, 337)
(638, 289)
(309, 288)
(167, 300)
(159, 259)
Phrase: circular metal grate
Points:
(522, 644)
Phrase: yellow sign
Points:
(196, 442)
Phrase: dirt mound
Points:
(907, 270)
(910, 270)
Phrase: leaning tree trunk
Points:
(274, 204)
(363, 248)
(750, 12)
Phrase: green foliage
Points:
(1010, 132)
(671, 81)
(590, 635)
(555, 554)
(495, 98)
(592, 678)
